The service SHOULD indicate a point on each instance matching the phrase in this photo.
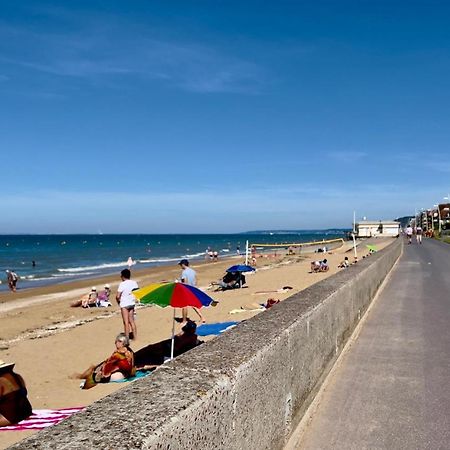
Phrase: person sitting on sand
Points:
(231, 280)
(344, 264)
(87, 300)
(14, 404)
(154, 355)
(118, 366)
(91, 299)
(103, 297)
(319, 266)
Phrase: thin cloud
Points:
(114, 51)
(438, 166)
(291, 207)
(347, 156)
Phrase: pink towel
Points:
(42, 418)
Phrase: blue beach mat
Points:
(139, 374)
(214, 328)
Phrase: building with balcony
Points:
(444, 217)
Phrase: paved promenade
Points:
(392, 388)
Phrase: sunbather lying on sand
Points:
(278, 291)
(256, 307)
(154, 355)
(118, 366)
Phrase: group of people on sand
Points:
(211, 255)
(319, 266)
(94, 298)
(323, 266)
(123, 362)
(124, 298)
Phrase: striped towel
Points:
(42, 418)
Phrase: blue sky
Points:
(220, 116)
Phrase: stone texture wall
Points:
(245, 390)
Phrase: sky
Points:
(220, 116)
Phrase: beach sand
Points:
(48, 340)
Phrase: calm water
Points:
(59, 258)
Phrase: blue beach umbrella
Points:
(240, 268)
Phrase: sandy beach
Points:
(49, 341)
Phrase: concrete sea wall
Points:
(247, 389)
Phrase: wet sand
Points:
(48, 340)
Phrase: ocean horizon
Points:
(59, 258)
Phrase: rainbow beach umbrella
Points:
(176, 295)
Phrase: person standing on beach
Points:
(189, 276)
(12, 280)
(127, 302)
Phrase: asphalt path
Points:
(391, 389)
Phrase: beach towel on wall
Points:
(42, 418)
(214, 328)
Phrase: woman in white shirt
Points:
(127, 302)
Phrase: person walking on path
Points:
(127, 302)
(409, 232)
(189, 276)
(12, 280)
(419, 233)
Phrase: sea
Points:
(52, 259)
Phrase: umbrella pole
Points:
(246, 253)
(173, 335)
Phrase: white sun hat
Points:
(5, 365)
